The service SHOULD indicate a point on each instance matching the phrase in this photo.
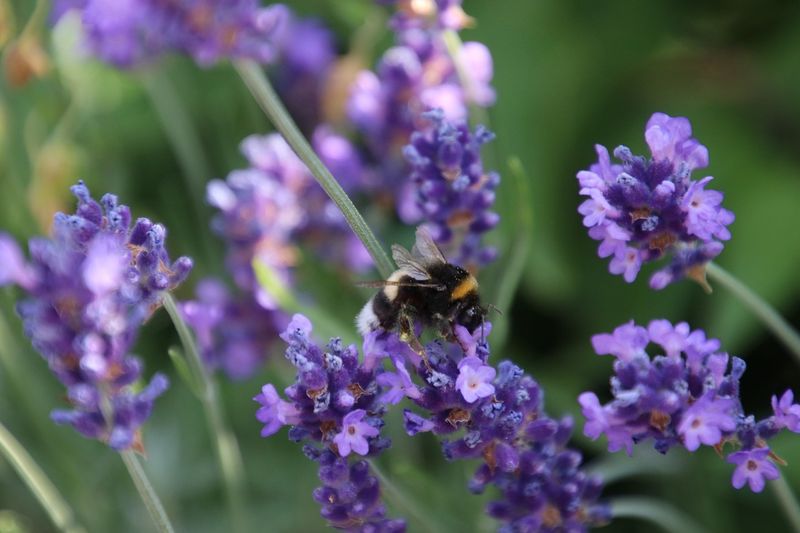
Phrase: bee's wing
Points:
(408, 264)
(425, 251)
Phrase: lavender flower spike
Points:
(495, 414)
(127, 33)
(90, 287)
(644, 209)
(687, 395)
(333, 409)
(453, 194)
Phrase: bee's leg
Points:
(408, 335)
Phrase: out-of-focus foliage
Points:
(568, 74)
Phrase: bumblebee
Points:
(424, 288)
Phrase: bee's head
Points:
(472, 316)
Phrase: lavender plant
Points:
(645, 209)
(333, 407)
(407, 145)
(136, 31)
(91, 286)
(687, 395)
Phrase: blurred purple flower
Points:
(643, 210)
(453, 194)
(414, 76)
(439, 14)
(127, 33)
(90, 287)
(234, 333)
(306, 51)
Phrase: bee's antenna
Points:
(492, 307)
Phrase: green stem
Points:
(763, 310)
(400, 499)
(145, 489)
(656, 512)
(37, 18)
(182, 136)
(452, 42)
(518, 251)
(270, 103)
(788, 501)
(225, 444)
(57, 509)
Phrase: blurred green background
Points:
(569, 73)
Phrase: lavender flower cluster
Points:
(90, 287)
(495, 413)
(688, 395)
(127, 33)
(417, 75)
(646, 209)
(334, 405)
(263, 211)
(453, 193)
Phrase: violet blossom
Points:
(89, 289)
(644, 209)
(687, 395)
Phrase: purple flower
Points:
(496, 415)
(331, 386)
(274, 412)
(642, 210)
(13, 267)
(413, 77)
(234, 333)
(400, 384)
(305, 54)
(441, 14)
(689, 396)
(474, 379)
(264, 212)
(333, 407)
(705, 421)
(90, 287)
(353, 436)
(787, 413)
(453, 193)
(126, 33)
(753, 468)
(350, 496)
(626, 343)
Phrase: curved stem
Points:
(656, 512)
(788, 501)
(37, 18)
(763, 310)
(145, 489)
(40, 485)
(452, 42)
(270, 103)
(225, 444)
